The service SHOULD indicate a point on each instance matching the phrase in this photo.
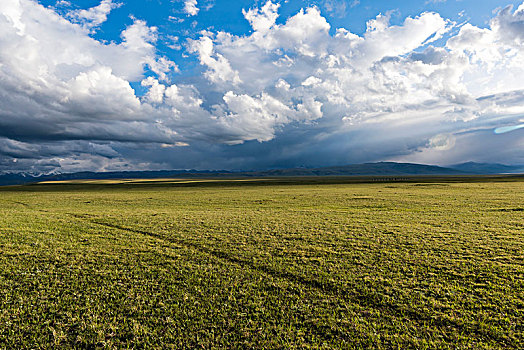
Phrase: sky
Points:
(113, 85)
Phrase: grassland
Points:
(267, 264)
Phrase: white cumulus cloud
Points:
(95, 16)
(190, 7)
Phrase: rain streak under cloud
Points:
(290, 90)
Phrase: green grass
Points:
(267, 264)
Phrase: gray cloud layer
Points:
(288, 94)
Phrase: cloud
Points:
(296, 92)
(509, 25)
(494, 56)
(390, 81)
(219, 68)
(190, 7)
(93, 17)
(58, 83)
(339, 8)
(64, 3)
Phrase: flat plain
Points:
(267, 263)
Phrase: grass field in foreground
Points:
(263, 265)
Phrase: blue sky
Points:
(209, 84)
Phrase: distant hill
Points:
(380, 169)
(488, 168)
(366, 169)
(16, 179)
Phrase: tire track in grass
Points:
(357, 296)
(322, 285)
(23, 204)
(319, 330)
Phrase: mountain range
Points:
(365, 169)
